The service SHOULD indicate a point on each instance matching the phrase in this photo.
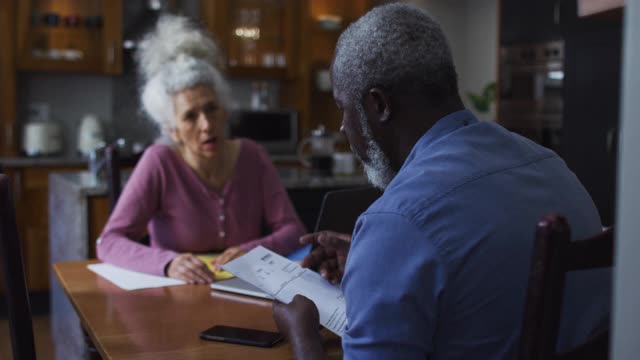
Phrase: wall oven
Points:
(531, 91)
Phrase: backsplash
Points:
(115, 100)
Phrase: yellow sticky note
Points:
(220, 274)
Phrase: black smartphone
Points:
(241, 336)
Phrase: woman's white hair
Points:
(175, 56)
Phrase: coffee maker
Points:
(321, 148)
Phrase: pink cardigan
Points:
(165, 197)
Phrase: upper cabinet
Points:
(70, 35)
(531, 21)
(257, 36)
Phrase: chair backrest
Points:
(340, 209)
(19, 309)
(554, 255)
(114, 164)
(114, 184)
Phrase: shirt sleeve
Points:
(392, 285)
(139, 201)
(279, 214)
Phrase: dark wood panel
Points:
(8, 131)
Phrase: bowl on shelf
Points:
(329, 22)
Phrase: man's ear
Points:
(379, 104)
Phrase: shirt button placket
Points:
(221, 217)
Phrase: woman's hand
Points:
(190, 269)
(228, 255)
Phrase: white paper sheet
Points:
(283, 279)
(132, 280)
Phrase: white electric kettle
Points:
(90, 134)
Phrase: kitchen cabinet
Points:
(589, 95)
(258, 37)
(8, 146)
(593, 57)
(531, 21)
(69, 35)
(326, 19)
(31, 192)
(299, 35)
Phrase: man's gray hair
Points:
(175, 56)
(399, 48)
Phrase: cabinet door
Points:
(69, 35)
(257, 36)
(591, 109)
(8, 144)
(31, 197)
(531, 21)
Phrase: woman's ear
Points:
(378, 105)
(174, 135)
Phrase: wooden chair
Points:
(554, 255)
(15, 285)
(341, 208)
(114, 184)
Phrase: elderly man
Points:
(438, 265)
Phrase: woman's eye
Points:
(190, 116)
(210, 108)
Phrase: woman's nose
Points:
(204, 122)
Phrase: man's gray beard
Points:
(378, 167)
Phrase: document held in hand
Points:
(283, 279)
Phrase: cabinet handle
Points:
(9, 135)
(611, 136)
(17, 180)
(111, 54)
(556, 13)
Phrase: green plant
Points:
(483, 101)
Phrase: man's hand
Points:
(330, 257)
(228, 255)
(299, 321)
(190, 269)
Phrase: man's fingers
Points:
(331, 241)
(308, 238)
(315, 257)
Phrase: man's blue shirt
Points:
(438, 265)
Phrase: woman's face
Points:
(200, 121)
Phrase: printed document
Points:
(283, 279)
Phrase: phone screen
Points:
(241, 336)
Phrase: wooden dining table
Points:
(164, 323)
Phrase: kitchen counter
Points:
(37, 161)
(25, 161)
(86, 184)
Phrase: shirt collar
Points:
(441, 128)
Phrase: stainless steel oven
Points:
(531, 95)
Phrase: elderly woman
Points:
(200, 192)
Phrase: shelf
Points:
(31, 64)
(257, 72)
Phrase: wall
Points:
(471, 27)
(626, 327)
(69, 96)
